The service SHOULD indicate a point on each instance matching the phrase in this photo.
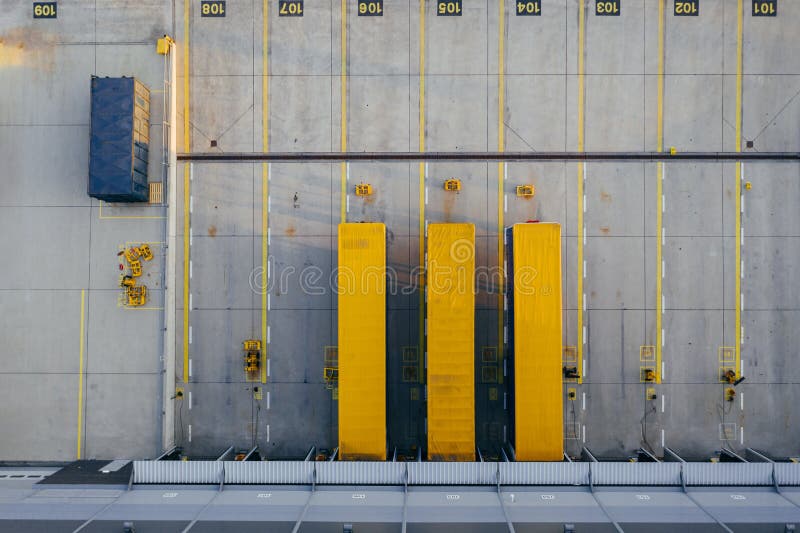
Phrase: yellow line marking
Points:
(738, 186)
(101, 216)
(343, 77)
(501, 178)
(186, 191)
(421, 191)
(581, 95)
(80, 371)
(264, 183)
(659, 193)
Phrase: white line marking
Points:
(741, 402)
(505, 401)
(583, 401)
(663, 370)
(190, 269)
(741, 435)
(269, 302)
(191, 204)
(269, 235)
(663, 204)
(268, 334)
(662, 398)
(584, 334)
(348, 203)
(267, 432)
(741, 269)
(190, 433)
(741, 204)
(662, 337)
(267, 399)
(190, 300)
(584, 301)
(190, 334)
(190, 367)
(505, 203)
(663, 236)
(269, 203)
(190, 400)
(426, 195)
(347, 178)
(190, 237)
(268, 366)
(583, 433)
(741, 367)
(662, 436)
(584, 269)
(269, 171)
(191, 172)
(584, 203)
(663, 269)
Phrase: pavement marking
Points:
(101, 216)
(266, 171)
(660, 195)
(80, 372)
(581, 177)
(343, 79)
(186, 190)
(422, 175)
(501, 177)
(738, 186)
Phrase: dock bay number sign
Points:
(45, 10)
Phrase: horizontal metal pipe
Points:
(300, 157)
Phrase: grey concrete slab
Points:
(695, 45)
(550, 183)
(223, 198)
(769, 417)
(607, 188)
(297, 352)
(693, 113)
(217, 337)
(302, 46)
(538, 44)
(123, 413)
(471, 56)
(692, 339)
(123, 341)
(769, 336)
(614, 341)
(473, 203)
(535, 117)
(693, 417)
(224, 46)
(44, 404)
(770, 262)
(613, 279)
(770, 116)
(222, 269)
(41, 331)
(457, 113)
(693, 200)
(703, 258)
(23, 226)
(767, 40)
(615, 44)
(113, 21)
(227, 114)
(50, 83)
(301, 113)
(379, 117)
(768, 205)
(315, 208)
(67, 149)
(302, 273)
(610, 123)
(382, 45)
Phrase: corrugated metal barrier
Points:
(464, 473)
(636, 473)
(545, 473)
(360, 473)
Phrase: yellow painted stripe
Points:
(421, 191)
(343, 122)
(186, 190)
(101, 216)
(659, 193)
(80, 373)
(581, 95)
(501, 177)
(738, 186)
(264, 182)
